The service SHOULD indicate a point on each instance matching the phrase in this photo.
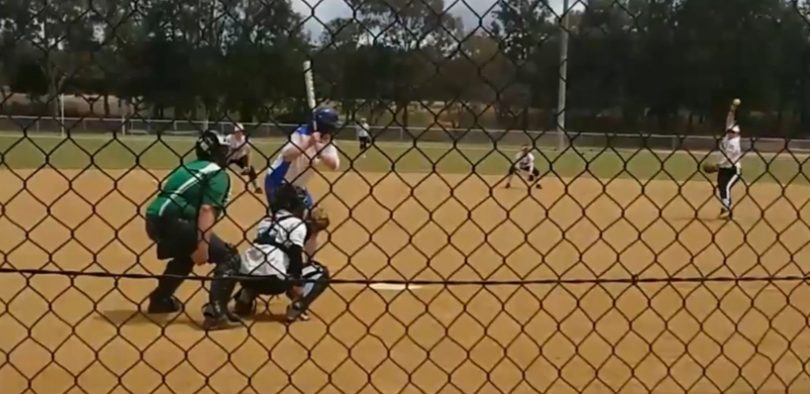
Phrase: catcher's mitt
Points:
(709, 168)
(317, 220)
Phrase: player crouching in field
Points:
(524, 166)
(240, 155)
(275, 262)
(180, 221)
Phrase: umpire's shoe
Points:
(162, 305)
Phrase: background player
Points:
(308, 146)
(729, 167)
(240, 155)
(362, 135)
(275, 261)
(180, 221)
(524, 165)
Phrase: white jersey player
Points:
(275, 260)
(729, 166)
(295, 163)
(524, 165)
(362, 136)
(240, 155)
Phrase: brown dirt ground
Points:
(62, 334)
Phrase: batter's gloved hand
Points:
(317, 220)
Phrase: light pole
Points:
(62, 114)
(561, 94)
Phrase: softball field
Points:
(572, 325)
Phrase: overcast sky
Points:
(466, 9)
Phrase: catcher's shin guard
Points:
(216, 311)
(317, 281)
(245, 302)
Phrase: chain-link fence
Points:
(612, 262)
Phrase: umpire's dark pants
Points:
(176, 239)
(726, 178)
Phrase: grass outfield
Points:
(85, 151)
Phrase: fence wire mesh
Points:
(606, 269)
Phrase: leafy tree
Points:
(640, 63)
(420, 34)
(528, 39)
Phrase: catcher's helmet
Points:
(212, 146)
(289, 198)
(326, 120)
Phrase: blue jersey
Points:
(299, 170)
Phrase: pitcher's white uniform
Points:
(730, 167)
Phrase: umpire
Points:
(180, 220)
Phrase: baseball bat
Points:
(310, 89)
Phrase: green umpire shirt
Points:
(189, 187)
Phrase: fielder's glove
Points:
(710, 168)
(317, 220)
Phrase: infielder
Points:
(524, 165)
(296, 161)
(180, 221)
(275, 261)
(362, 136)
(240, 155)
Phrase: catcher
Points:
(729, 168)
(275, 262)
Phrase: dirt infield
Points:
(62, 334)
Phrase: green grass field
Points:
(86, 151)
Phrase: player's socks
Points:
(162, 300)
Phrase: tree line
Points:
(665, 66)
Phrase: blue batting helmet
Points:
(326, 120)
